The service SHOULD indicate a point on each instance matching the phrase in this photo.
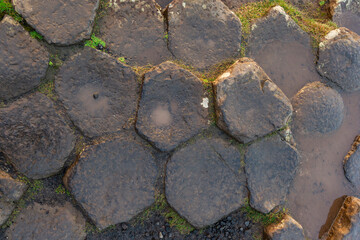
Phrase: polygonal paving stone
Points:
(203, 32)
(23, 61)
(270, 166)
(248, 104)
(173, 106)
(287, 228)
(44, 222)
(352, 163)
(61, 22)
(317, 109)
(99, 93)
(113, 181)
(346, 13)
(135, 30)
(35, 139)
(339, 59)
(204, 181)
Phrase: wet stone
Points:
(288, 228)
(352, 164)
(271, 165)
(248, 104)
(346, 13)
(173, 106)
(34, 138)
(203, 33)
(113, 181)
(99, 93)
(43, 222)
(61, 22)
(204, 181)
(23, 61)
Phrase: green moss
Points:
(6, 8)
(122, 60)
(36, 35)
(48, 88)
(95, 42)
(62, 190)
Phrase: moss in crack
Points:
(96, 43)
(6, 8)
(48, 88)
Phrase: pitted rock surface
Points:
(44, 222)
(286, 229)
(318, 109)
(99, 93)
(339, 59)
(352, 163)
(35, 139)
(271, 165)
(113, 181)
(248, 104)
(173, 106)
(203, 183)
(23, 61)
(61, 22)
(346, 13)
(203, 33)
(135, 30)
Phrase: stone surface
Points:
(35, 139)
(318, 109)
(43, 222)
(135, 30)
(248, 104)
(99, 93)
(352, 163)
(346, 13)
(61, 22)
(163, 3)
(23, 61)
(235, 4)
(203, 32)
(204, 181)
(271, 165)
(173, 106)
(113, 181)
(287, 229)
(339, 59)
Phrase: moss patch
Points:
(6, 8)
(95, 42)
(48, 88)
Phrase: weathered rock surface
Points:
(248, 104)
(23, 61)
(113, 181)
(43, 222)
(352, 163)
(173, 106)
(99, 93)
(235, 4)
(203, 32)
(135, 30)
(339, 59)
(204, 181)
(346, 13)
(287, 229)
(271, 165)
(35, 139)
(61, 22)
(318, 109)
(10, 191)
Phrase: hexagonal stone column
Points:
(61, 22)
(99, 93)
(346, 13)
(23, 61)
(113, 181)
(35, 139)
(173, 106)
(204, 181)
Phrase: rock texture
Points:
(318, 109)
(35, 139)
(163, 3)
(113, 181)
(23, 61)
(287, 229)
(99, 93)
(61, 22)
(339, 59)
(346, 13)
(203, 32)
(43, 222)
(248, 104)
(173, 106)
(235, 4)
(352, 163)
(204, 181)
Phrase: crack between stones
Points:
(226, 164)
(165, 14)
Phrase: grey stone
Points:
(173, 106)
(23, 61)
(114, 180)
(346, 13)
(35, 139)
(286, 229)
(235, 4)
(44, 222)
(248, 104)
(163, 3)
(339, 59)
(352, 163)
(99, 93)
(271, 165)
(61, 22)
(203, 33)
